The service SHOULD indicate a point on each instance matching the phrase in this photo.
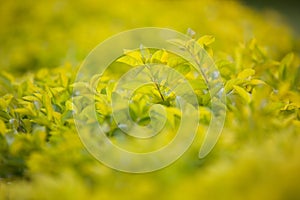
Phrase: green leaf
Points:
(198, 84)
(229, 85)
(183, 69)
(284, 64)
(69, 106)
(246, 73)
(160, 56)
(209, 51)
(129, 60)
(257, 82)
(5, 101)
(56, 91)
(206, 40)
(48, 105)
(2, 127)
(3, 104)
(288, 59)
(30, 98)
(176, 61)
(242, 93)
(24, 111)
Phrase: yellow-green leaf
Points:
(246, 73)
(242, 93)
(2, 127)
(288, 59)
(206, 40)
(257, 82)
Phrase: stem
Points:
(158, 88)
(155, 83)
(198, 63)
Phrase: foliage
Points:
(256, 156)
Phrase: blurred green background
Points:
(288, 9)
(43, 42)
(50, 33)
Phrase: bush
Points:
(41, 156)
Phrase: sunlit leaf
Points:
(242, 93)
